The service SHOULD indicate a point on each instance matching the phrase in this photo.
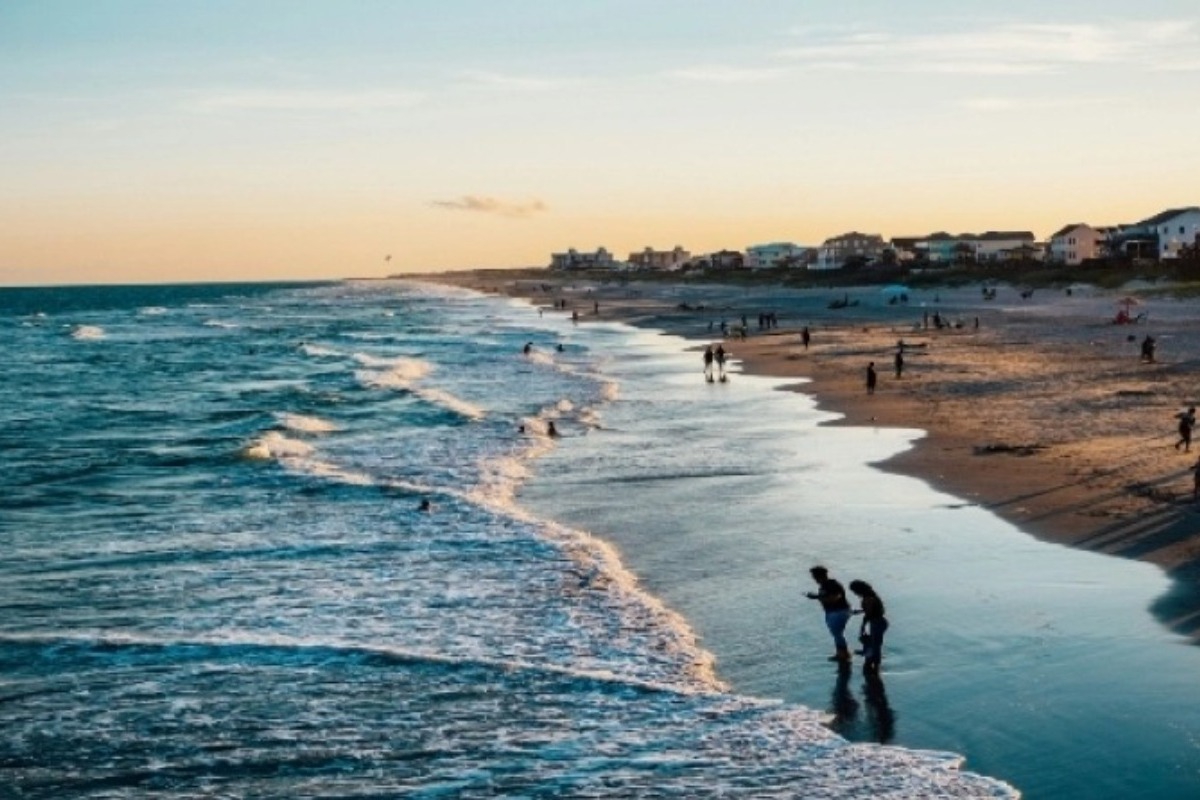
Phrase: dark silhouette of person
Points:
(1187, 421)
(708, 364)
(1148, 349)
(528, 348)
(872, 378)
(425, 506)
(1196, 481)
(719, 355)
(805, 336)
(874, 624)
(551, 431)
(837, 610)
(899, 362)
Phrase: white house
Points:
(573, 259)
(835, 252)
(761, 256)
(1175, 228)
(1002, 245)
(1076, 243)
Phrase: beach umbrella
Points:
(895, 288)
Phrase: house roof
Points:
(992, 236)
(1166, 216)
(1067, 229)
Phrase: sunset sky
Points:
(160, 141)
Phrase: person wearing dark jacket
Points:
(837, 610)
(874, 624)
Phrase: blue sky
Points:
(219, 140)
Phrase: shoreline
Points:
(1044, 415)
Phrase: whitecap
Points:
(451, 403)
(317, 351)
(152, 311)
(88, 332)
(305, 424)
(275, 445)
(216, 323)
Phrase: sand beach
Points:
(1038, 408)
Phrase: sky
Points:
(153, 141)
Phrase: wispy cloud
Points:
(524, 83)
(305, 100)
(491, 205)
(1007, 49)
(991, 105)
(727, 75)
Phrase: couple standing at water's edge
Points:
(837, 615)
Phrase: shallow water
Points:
(218, 580)
(1041, 663)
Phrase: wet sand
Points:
(1044, 414)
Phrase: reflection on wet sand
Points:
(880, 722)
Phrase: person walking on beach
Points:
(899, 361)
(1187, 421)
(837, 610)
(805, 336)
(708, 364)
(720, 356)
(872, 378)
(874, 624)
(1148, 349)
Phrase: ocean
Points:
(218, 578)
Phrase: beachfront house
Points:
(1075, 243)
(909, 249)
(1000, 246)
(849, 248)
(649, 258)
(944, 248)
(1174, 229)
(573, 259)
(776, 254)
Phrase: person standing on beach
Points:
(1187, 421)
(708, 364)
(720, 356)
(805, 336)
(837, 610)
(899, 361)
(872, 378)
(874, 624)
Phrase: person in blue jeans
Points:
(874, 624)
(837, 610)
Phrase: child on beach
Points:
(874, 624)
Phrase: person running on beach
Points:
(874, 624)
(837, 610)
(708, 364)
(872, 378)
(1187, 421)
(720, 356)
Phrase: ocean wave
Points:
(449, 402)
(274, 445)
(305, 424)
(317, 351)
(88, 332)
(152, 311)
(216, 323)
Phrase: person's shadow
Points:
(880, 722)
